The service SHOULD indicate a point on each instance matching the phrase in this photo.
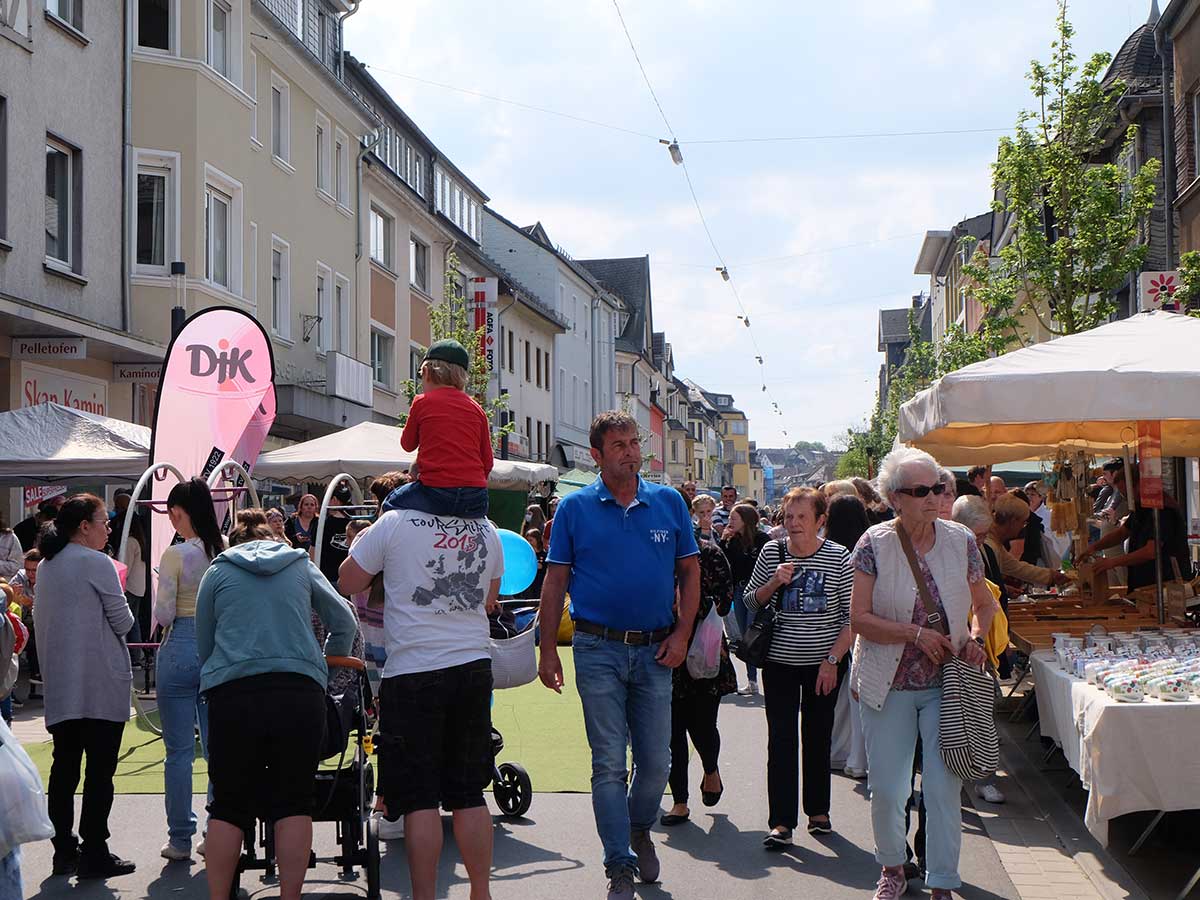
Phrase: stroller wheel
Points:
(372, 860)
(513, 790)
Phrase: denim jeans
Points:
(180, 706)
(10, 876)
(626, 698)
(745, 618)
(464, 502)
(891, 743)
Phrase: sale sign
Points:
(1150, 464)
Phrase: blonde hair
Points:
(445, 373)
(831, 489)
(1008, 507)
(702, 499)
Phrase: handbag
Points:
(23, 816)
(704, 655)
(968, 743)
(756, 639)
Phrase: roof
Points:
(521, 292)
(1137, 63)
(537, 234)
(893, 326)
(660, 346)
(629, 278)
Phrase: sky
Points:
(818, 234)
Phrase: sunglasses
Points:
(923, 490)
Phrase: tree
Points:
(452, 319)
(810, 446)
(1076, 221)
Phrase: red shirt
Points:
(454, 437)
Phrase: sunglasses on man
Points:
(923, 490)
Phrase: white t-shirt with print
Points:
(436, 574)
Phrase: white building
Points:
(584, 365)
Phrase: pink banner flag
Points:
(217, 372)
(247, 450)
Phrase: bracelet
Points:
(917, 639)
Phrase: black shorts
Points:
(435, 746)
(265, 736)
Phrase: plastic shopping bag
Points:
(704, 656)
(23, 816)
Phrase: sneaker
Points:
(778, 840)
(104, 867)
(170, 851)
(647, 860)
(620, 884)
(989, 792)
(750, 690)
(390, 831)
(200, 848)
(892, 884)
(65, 862)
(856, 774)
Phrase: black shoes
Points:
(104, 867)
(778, 839)
(669, 819)
(65, 862)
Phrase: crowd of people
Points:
(870, 588)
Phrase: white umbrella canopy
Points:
(1083, 391)
(370, 449)
(50, 443)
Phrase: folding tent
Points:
(51, 443)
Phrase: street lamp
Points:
(179, 310)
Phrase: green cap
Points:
(448, 350)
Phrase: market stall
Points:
(50, 444)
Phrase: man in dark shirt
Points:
(28, 530)
(333, 542)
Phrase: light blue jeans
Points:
(891, 742)
(10, 876)
(179, 705)
(626, 698)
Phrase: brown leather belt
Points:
(633, 638)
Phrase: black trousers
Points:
(695, 717)
(790, 694)
(101, 741)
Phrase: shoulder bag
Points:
(969, 745)
(756, 639)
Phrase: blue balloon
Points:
(520, 563)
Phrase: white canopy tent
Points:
(51, 443)
(371, 449)
(1084, 391)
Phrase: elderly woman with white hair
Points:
(949, 494)
(1009, 514)
(898, 657)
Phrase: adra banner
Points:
(216, 378)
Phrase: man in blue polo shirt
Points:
(619, 545)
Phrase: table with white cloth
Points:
(1130, 757)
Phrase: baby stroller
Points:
(514, 663)
(345, 794)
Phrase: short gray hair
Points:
(973, 512)
(893, 465)
(946, 477)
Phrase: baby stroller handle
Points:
(346, 662)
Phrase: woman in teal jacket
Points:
(264, 676)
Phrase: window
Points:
(281, 287)
(324, 136)
(674, 451)
(381, 238)
(323, 36)
(1196, 135)
(69, 11)
(381, 358)
(538, 367)
(546, 360)
(254, 94)
(416, 174)
(220, 17)
(281, 118)
(418, 264)
(324, 315)
(739, 457)
(529, 432)
(153, 25)
(510, 350)
(549, 443)
(155, 213)
(16, 16)
(341, 314)
(415, 358)
(341, 169)
(3, 163)
(217, 237)
(540, 449)
(60, 201)
(502, 332)
(561, 305)
(527, 361)
(739, 426)
(575, 399)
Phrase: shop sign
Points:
(1150, 464)
(581, 457)
(1157, 289)
(36, 494)
(137, 373)
(42, 385)
(49, 348)
(483, 301)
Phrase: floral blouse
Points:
(916, 671)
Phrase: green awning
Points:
(571, 481)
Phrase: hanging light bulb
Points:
(759, 358)
(745, 320)
(724, 270)
(673, 148)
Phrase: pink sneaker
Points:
(891, 883)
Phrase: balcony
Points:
(310, 409)
(348, 379)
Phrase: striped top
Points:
(821, 585)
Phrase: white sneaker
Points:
(857, 774)
(750, 690)
(200, 847)
(989, 792)
(390, 831)
(170, 851)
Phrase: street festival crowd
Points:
(876, 592)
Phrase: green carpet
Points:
(543, 731)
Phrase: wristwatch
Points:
(980, 641)
(831, 659)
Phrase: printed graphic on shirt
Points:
(461, 585)
(806, 593)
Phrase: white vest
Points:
(895, 596)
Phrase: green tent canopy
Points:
(571, 481)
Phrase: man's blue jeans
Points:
(626, 698)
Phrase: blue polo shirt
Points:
(622, 560)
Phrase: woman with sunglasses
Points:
(899, 652)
